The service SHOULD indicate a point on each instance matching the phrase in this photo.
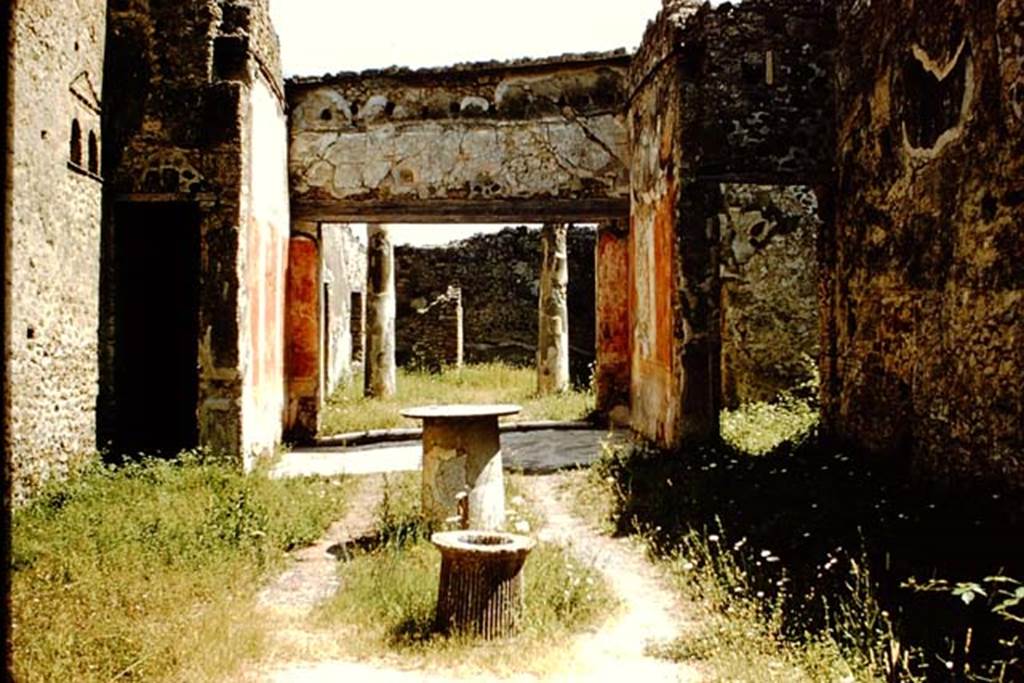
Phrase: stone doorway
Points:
(156, 340)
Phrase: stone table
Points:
(462, 454)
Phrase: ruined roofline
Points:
(620, 56)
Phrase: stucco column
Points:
(553, 321)
(380, 313)
(611, 272)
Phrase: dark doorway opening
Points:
(157, 327)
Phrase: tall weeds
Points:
(148, 571)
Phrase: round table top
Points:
(459, 410)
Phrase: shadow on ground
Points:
(818, 530)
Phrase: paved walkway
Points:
(534, 452)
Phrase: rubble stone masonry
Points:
(54, 197)
(198, 117)
(926, 295)
(499, 275)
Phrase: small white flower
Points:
(713, 538)
(518, 501)
(522, 526)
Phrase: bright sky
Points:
(327, 36)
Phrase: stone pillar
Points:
(303, 337)
(358, 312)
(611, 272)
(380, 313)
(698, 339)
(553, 322)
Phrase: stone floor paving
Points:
(535, 452)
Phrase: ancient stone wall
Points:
(769, 273)
(530, 140)
(655, 150)
(54, 205)
(613, 333)
(765, 109)
(499, 276)
(343, 272)
(737, 93)
(436, 333)
(925, 269)
(197, 120)
(265, 201)
(303, 338)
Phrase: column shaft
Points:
(380, 313)
(553, 320)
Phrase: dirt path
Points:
(651, 614)
(615, 652)
(312, 577)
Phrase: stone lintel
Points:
(541, 209)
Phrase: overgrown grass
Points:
(386, 607)
(148, 571)
(348, 411)
(759, 428)
(810, 564)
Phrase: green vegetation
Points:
(759, 428)
(149, 570)
(387, 607)
(808, 564)
(349, 411)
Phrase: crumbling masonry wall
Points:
(500, 301)
(925, 269)
(533, 140)
(654, 133)
(734, 94)
(54, 204)
(198, 117)
(438, 340)
(769, 273)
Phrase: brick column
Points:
(611, 270)
(380, 313)
(553, 321)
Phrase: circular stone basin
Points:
(481, 543)
(481, 591)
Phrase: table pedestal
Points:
(462, 455)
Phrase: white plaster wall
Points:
(265, 208)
